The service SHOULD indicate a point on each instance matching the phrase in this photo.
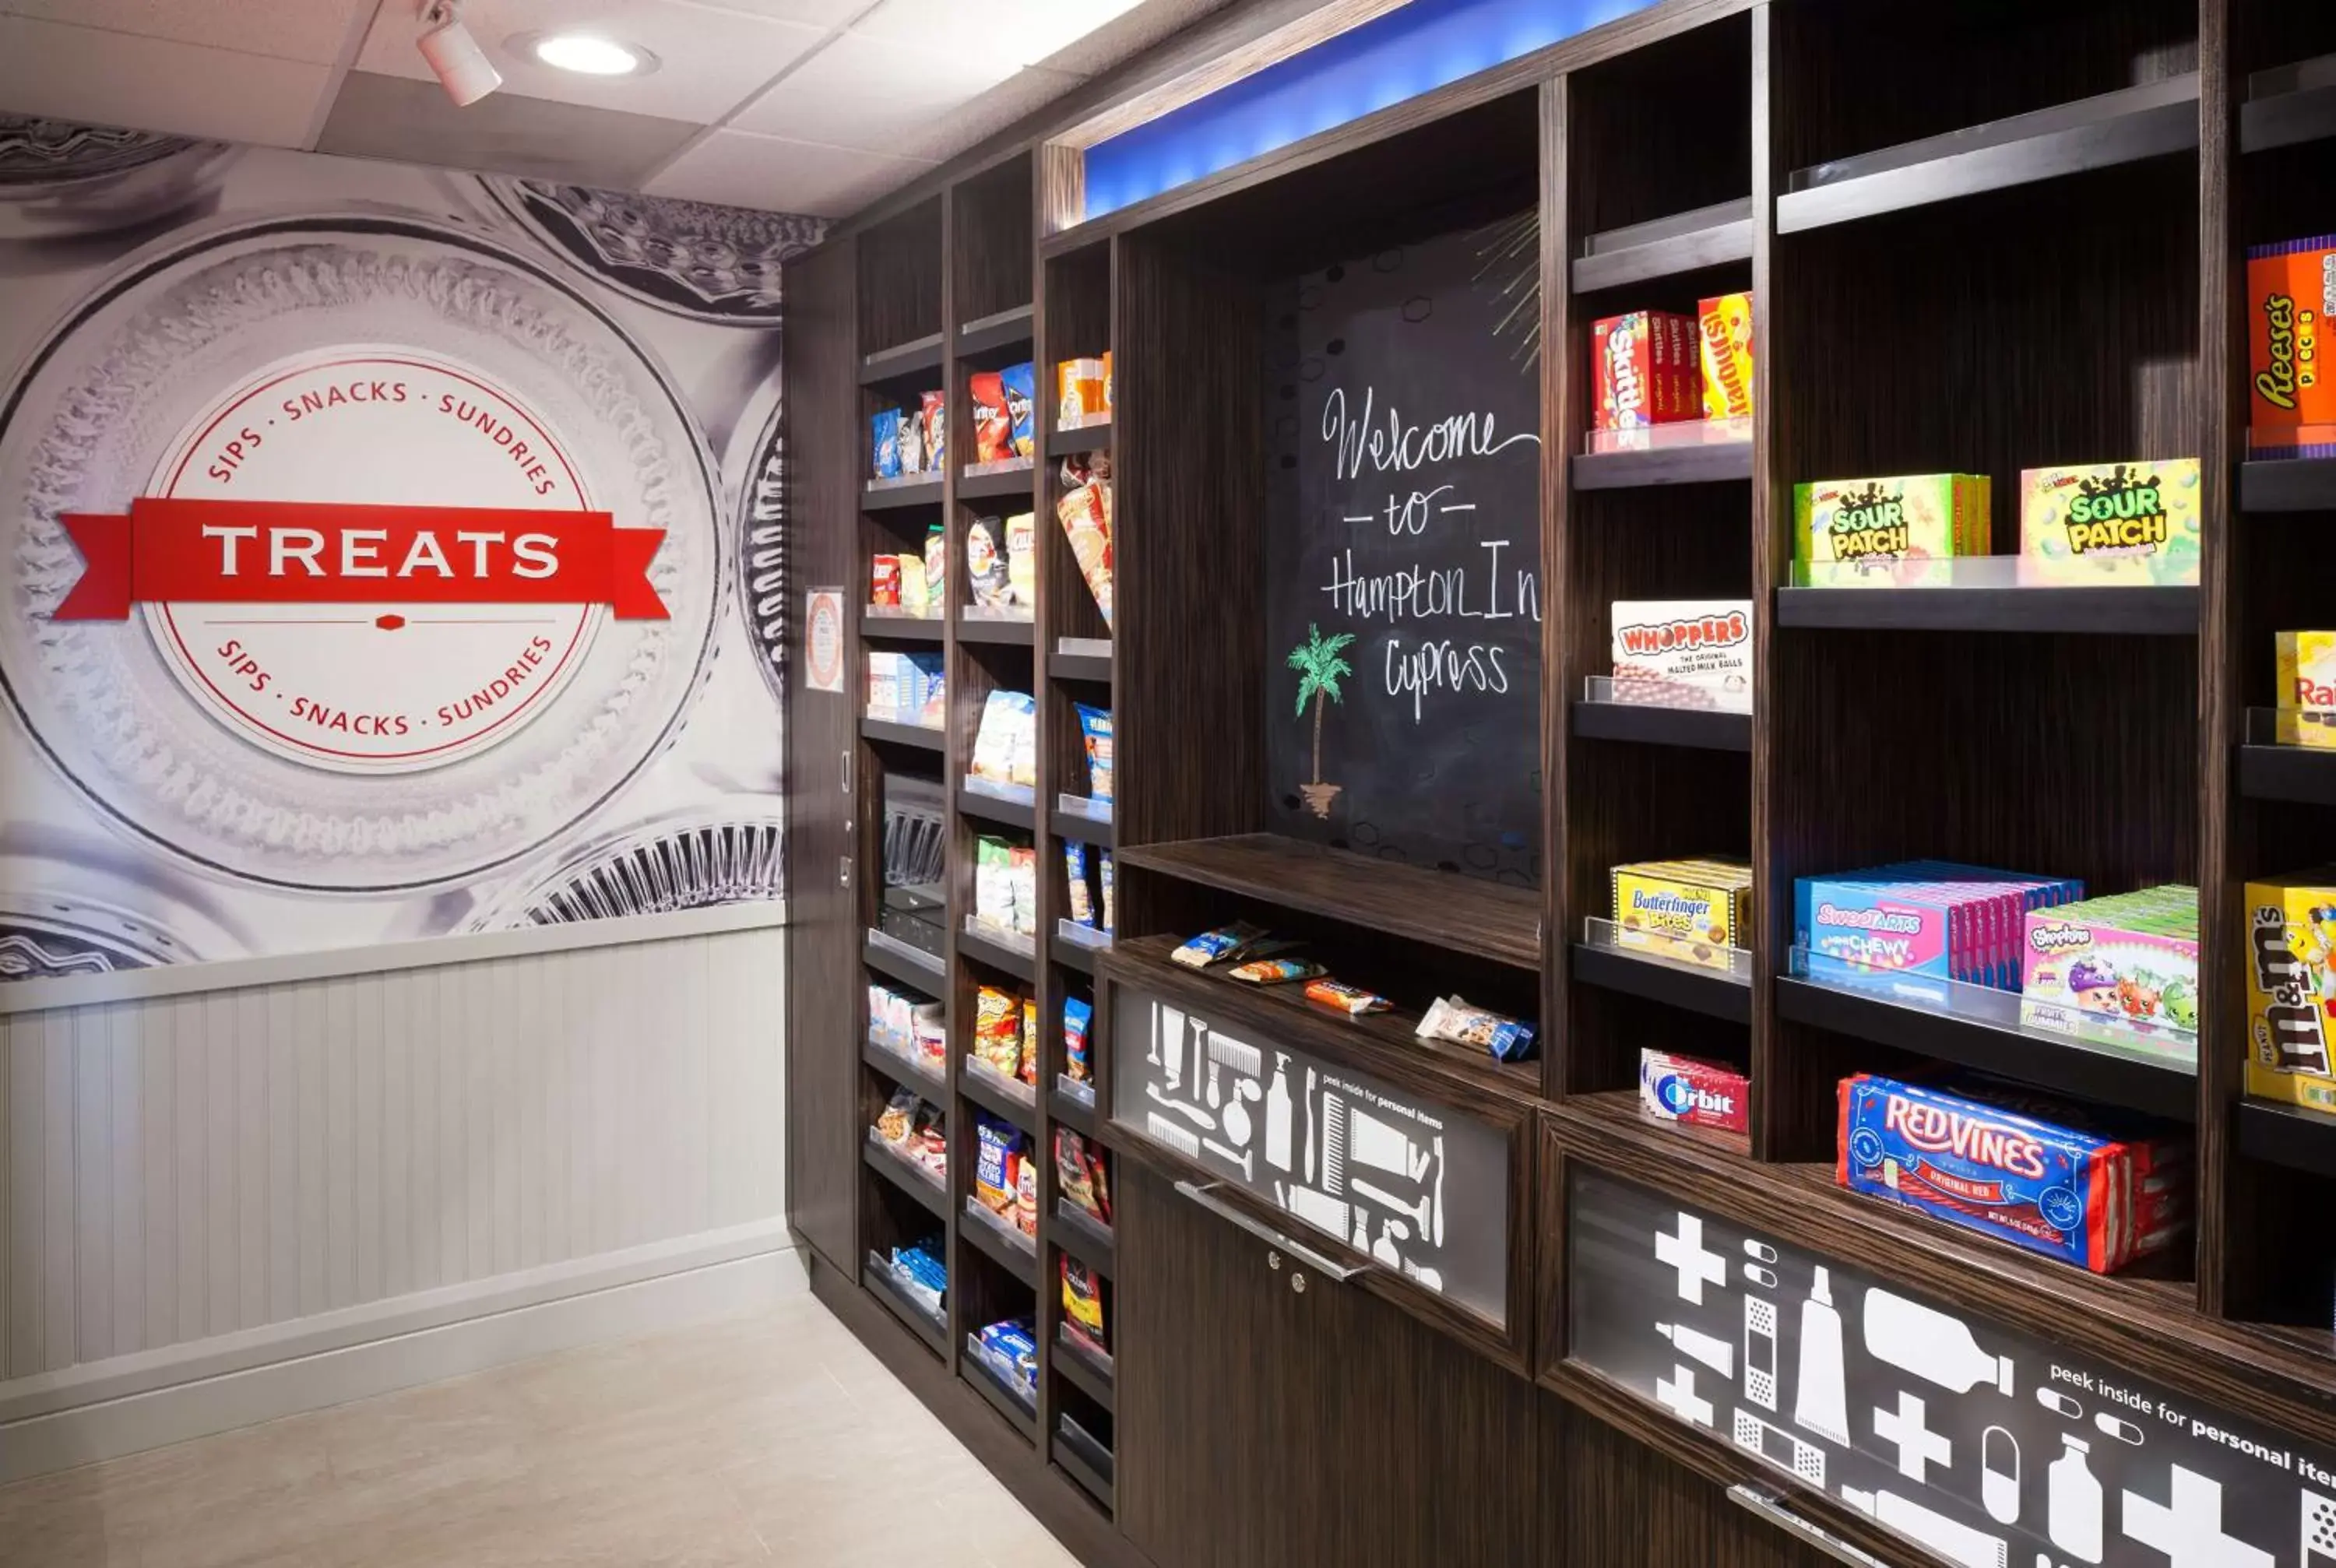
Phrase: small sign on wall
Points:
(823, 639)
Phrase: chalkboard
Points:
(1403, 515)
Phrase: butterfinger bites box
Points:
(1724, 325)
(1692, 643)
(1690, 912)
(2291, 989)
(1647, 368)
(2290, 292)
(2106, 524)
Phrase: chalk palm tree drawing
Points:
(1318, 669)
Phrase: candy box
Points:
(2290, 292)
(1694, 1094)
(2307, 684)
(2291, 989)
(1850, 532)
(2107, 523)
(1647, 368)
(1660, 645)
(2132, 961)
(1994, 1159)
(1725, 328)
(1690, 912)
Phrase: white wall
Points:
(195, 1187)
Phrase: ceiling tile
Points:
(977, 119)
(309, 30)
(818, 12)
(507, 133)
(1016, 32)
(1125, 37)
(711, 57)
(871, 94)
(150, 84)
(778, 175)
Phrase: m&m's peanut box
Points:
(1725, 324)
(1647, 368)
(2291, 989)
(2106, 524)
(2290, 292)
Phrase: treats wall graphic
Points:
(1985, 1446)
(391, 554)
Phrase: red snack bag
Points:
(993, 423)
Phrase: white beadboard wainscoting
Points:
(219, 1207)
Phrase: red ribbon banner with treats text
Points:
(166, 550)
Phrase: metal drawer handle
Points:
(1342, 1273)
(1766, 1505)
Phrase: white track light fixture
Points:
(462, 67)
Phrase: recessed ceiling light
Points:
(586, 54)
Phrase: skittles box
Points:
(1997, 1159)
(2111, 524)
(2290, 292)
(1725, 325)
(1848, 531)
(2291, 989)
(1647, 369)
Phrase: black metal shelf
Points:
(2136, 1083)
(912, 1180)
(1072, 956)
(932, 1330)
(902, 1071)
(1005, 633)
(1709, 729)
(2288, 773)
(1000, 1101)
(1083, 1236)
(1079, 667)
(2291, 104)
(996, 809)
(1705, 462)
(1020, 1417)
(985, 1232)
(903, 628)
(893, 497)
(1083, 438)
(1685, 242)
(1078, 1365)
(921, 736)
(2288, 484)
(1094, 1480)
(904, 361)
(1082, 1119)
(2288, 1136)
(998, 956)
(1006, 330)
(2132, 124)
(2129, 611)
(1713, 994)
(903, 963)
(1005, 484)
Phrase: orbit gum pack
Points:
(1692, 1092)
(1994, 1158)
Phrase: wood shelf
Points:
(2130, 1081)
(2288, 1136)
(909, 1178)
(1017, 1415)
(1000, 1101)
(1711, 235)
(2151, 120)
(997, 810)
(1079, 667)
(1095, 1482)
(1085, 438)
(986, 1231)
(1705, 992)
(1072, 956)
(1374, 1040)
(1709, 729)
(1005, 484)
(2128, 611)
(1078, 1365)
(903, 628)
(1444, 910)
(908, 1073)
(935, 1334)
(2288, 106)
(1006, 329)
(891, 957)
(1086, 1238)
(1083, 1120)
(916, 357)
(895, 497)
(998, 956)
(1703, 463)
(921, 736)
(1000, 633)
(2288, 484)
(2305, 774)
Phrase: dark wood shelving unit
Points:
(1707, 991)
(1075, 1362)
(2288, 773)
(1003, 330)
(2103, 1074)
(984, 1383)
(1079, 667)
(1070, 442)
(1083, 1236)
(918, 358)
(1093, 1479)
(1465, 914)
(918, 971)
(905, 1072)
(1705, 729)
(1001, 633)
(997, 809)
(2128, 611)
(2287, 484)
(928, 1194)
(1072, 956)
(1001, 484)
(908, 735)
(895, 497)
(933, 1332)
(2288, 106)
(998, 956)
(2288, 1136)
(999, 1100)
(2154, 120)
(1706, 462)
(1665, 247)
(904, 629)
(984, 1230)
(1063, 1111)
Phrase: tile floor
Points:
(776, 1438)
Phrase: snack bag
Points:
(884, 435)
(1451, 1018)
(1022, 561)
(993, 427)
(935, 430)
(1352, 1000)
(985, 565)
(1094, 729)
(936, 570)
(1085, 514)
(1082, 1305)
(1020, 382)
(994, 1178)
(1075, 876)
(1275, 971)
(884, 580)
(899, 1116)
(1104, 873)
(997, 1031)
(1028, 1071)
(1078, 1017)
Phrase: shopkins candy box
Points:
(2130, 961)
(2111, 524)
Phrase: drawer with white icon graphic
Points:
(1406, 1194)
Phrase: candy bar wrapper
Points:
(2017, 1166)
(1694, 1094)
(1021, 387)
(1022, 561)
(1075, 875)
(1352, 1000)
(1452, 1018)
(935, 430)
(884, 434)
(1275, 971)
(993, 427)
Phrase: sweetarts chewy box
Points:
(1993, 1158)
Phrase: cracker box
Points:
(1692, 912)
(1724, 327)
(2107, 523)
(2130, 960)
(2307, 689)
(2094, 1191)
(1647, 368)
(1857, 530)
(2291, 989)
(2290, 292)
(1694, 1094)
(1665, 648)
